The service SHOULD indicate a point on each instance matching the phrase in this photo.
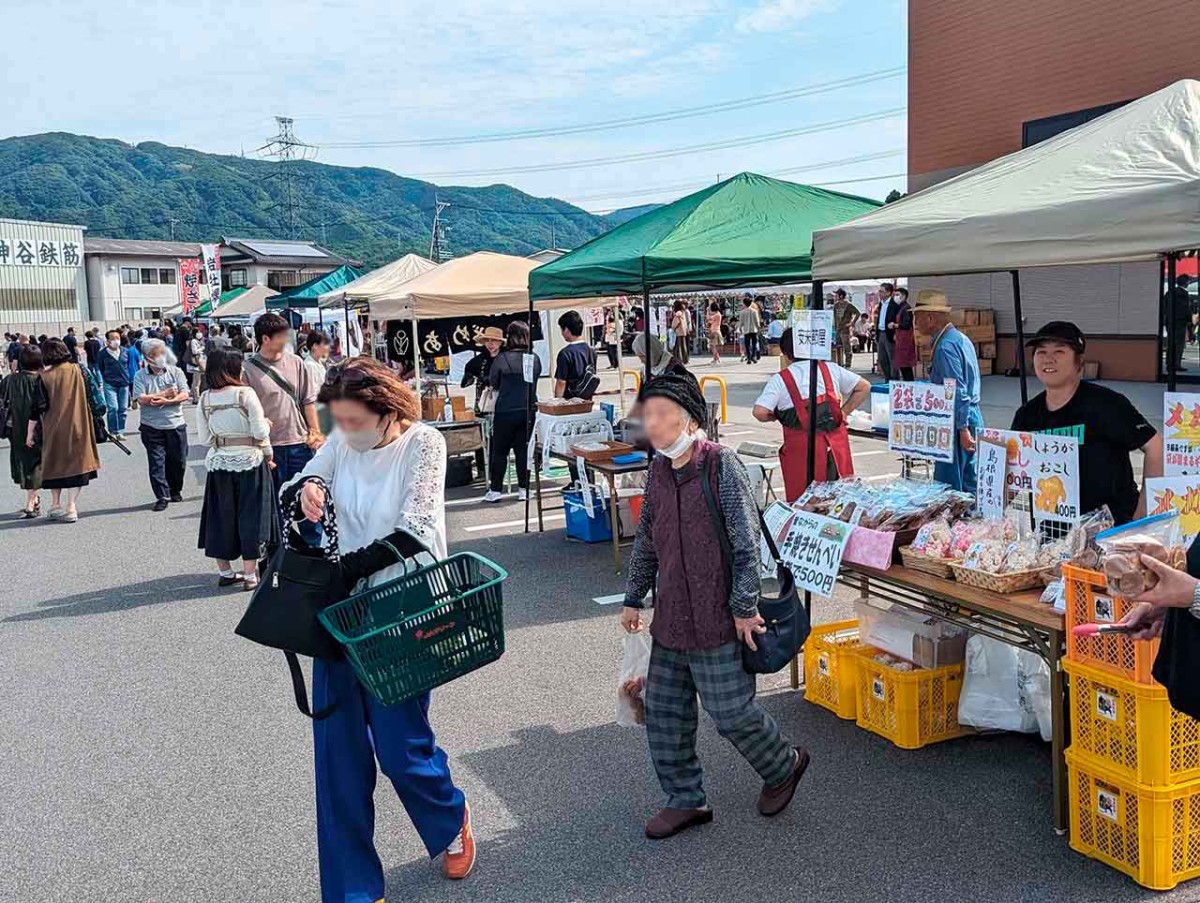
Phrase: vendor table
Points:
(609, 469)
(1019, 619)
(464, 437)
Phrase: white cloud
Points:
(781, 15)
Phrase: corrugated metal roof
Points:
(141, 248)
(278, 249)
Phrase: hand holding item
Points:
(1174, 589)
(631, 619)
(966, 440)
(312, 501)
(747, 628)
(1146, 621)
(314, 440)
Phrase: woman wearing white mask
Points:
(386, 473)
(706, 607)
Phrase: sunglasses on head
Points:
(341, 374)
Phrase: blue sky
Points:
(212, 75)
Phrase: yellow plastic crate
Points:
(1152, 835)
(1089, 602)
(830, 674)
(910, 708)
(1131, 728)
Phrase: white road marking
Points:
(868, 454)
(478, 499)
(738, 433)
(481, 528)
(609, 600)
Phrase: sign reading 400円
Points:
(1046, 466)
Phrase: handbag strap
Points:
(723, 535)
(283, 384)
(301, 691)
(328, 517)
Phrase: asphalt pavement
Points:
(148, 754)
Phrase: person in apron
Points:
(784, 401)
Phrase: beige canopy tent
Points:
(378, 283)
(249, 303)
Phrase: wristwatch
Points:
(1195, 607)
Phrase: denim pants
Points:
(289, 461)
(117, 399)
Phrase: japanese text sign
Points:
(28, 252)
(1181, 433)
(212, 268)
(1046, 466)
(922, 420)
(189, 283)
(776, 518)
(1177, 493)
(813, 549)
(812, 334)
(991, 465)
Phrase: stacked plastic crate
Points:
(1134, 761)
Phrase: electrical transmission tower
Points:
(288, 150)
(437, 242)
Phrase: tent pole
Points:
(416, 358)
(1016, 290)
(646, 314)
(346, 338)
(1173, 352)
(818, 303)
(618, 332)
(530, 394)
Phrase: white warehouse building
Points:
(42, 279)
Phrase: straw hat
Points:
(932, 300)
(491, 334)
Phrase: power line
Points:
(729, 143)
(646, 119)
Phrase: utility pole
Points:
(437, 241)
(553, 243)
(324, 240)
(288, 150)
(172, 221)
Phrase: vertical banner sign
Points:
(813, 547)
(778, 518)
(1182, 494)
(992, 462)
(212, 267)
(812, 334)
(1181, 434)
(1046, 466)
(189, 284)
(922, 421)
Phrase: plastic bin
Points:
(1131, 728)
(830, 674)
(881, 407)
(1152, 835)
(924, 641)
(910, 708)
(597, 528)
(1089, 602)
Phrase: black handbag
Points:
(1179, 651)
(786, 618)
(295, 586)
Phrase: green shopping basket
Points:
(424, 629)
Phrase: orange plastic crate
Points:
(1150, 834)
(910, 708)
(1089, 602)
(1131, 728)
(830, 674)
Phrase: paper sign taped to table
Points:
(1181, 433)
(812, 334)
(991, 466)
(922, 420)
(1182, 494)
(527, 366)
(585, 488)
(1047, 467)
(813, 549)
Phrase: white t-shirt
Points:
(399, 486)
(775, 396)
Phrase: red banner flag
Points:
(189, 284)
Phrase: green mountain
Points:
(120, 190)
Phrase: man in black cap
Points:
(1105, 422)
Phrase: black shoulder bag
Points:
(787, 620)
(1179, 651)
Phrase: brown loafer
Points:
(774, 800)
(670, 822)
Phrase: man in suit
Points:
(886, 344)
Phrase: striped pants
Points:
(726, 691)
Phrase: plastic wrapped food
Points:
(1021, 555)
(987, 555)
(631, 683)
(933, 538)
(1122, 549)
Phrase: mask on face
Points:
(365, 440)
(159, 363)
(680, 446)
(114, 343)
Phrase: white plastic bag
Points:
(631, 684)
(1003, 688)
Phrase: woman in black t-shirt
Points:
(513, 417)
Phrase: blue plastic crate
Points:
(597, 528)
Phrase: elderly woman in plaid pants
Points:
(706, 608)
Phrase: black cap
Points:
(680, 387)
(1059, 331)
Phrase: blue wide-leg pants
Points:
(346, 746)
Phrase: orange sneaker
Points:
(459, 858)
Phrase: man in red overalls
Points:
(785, 399)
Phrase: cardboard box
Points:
(987, 367)
(971, 316)
(1091, 369)
(987, 351)
(458, 403)
(958, 316)
(431, 408)
(464, 416)
(980, 334)
(987, 316)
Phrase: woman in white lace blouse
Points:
(239, 517)
(386, 473)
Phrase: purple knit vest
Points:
(692, 611)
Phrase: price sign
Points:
(1046, 466)
(1182, 494)
(527, 366)
(813, 549)
(991, 464)
(922, 420)
(812, 334)
(1181, 434)
(777, 517)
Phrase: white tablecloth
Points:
(558, 432)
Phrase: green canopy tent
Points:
(307, 295)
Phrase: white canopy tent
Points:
(378, 283)
(248, 305)
(1124, 187)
